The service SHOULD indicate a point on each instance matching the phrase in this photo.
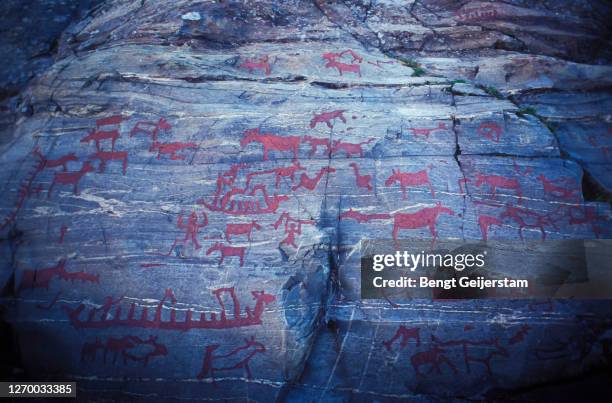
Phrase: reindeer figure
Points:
(227, 251)
(271, 142)
(406, 179)
(311, 184)
(405, 334)
(496, 181)
(427, 132)
(254, 64)
(239, 229)
(171, 149)
(349, 148)
(425, 217)
(434, 357)
(105, 156)
(343, 67)
(327, 117)
(99, 135)
(236, 359)
(62, 161)
(315, 143)
(71, 178)
(151, 129)
(363, 181)
(551, 188)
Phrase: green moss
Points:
(493, 92)
(458, 82)
(527, 111)
(418, 70)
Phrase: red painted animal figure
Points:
(311, 183)
(349, 148)
(255, 64)
(485, 222)
(589, 216)
(155, 349)
(405, 334)
(227, 251)
(427, 132)
(333, 56)
(99, 135)
(361, 218)
(315, 143)
(496, 181)
(105, 156)
(240, 229)
(486, 350)
(425, 217)
(271, 142)
(490, 130)
(149, 128)
(521, 216)
(343, 67)
(327, 117)
(551, 188)
(287, 172)
(171, 149)
(71, 178)
(434, 357)
(123, 346)
(406, 179)
(41, 278)
(238, 358)
(363, 181)
(62, 161)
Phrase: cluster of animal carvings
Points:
(473, 350)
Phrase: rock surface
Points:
(187, 186)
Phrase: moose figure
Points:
(271, 142)
(405, 334)
(434, 357)
(496, 181)
(71, 178)
(99, 135)
(257, 64)
(406, 179)
(240, 229)
(237, 358)
(425, 217)
(149, 128)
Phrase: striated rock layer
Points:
(186, 189)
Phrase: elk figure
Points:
(406, 179)
(71, 178)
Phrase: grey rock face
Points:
(185, 199)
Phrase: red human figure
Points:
(256, 64)
(149, 128)
(490, 130)
(485, 221)
(427, 132)
(226, 251)
(349, 148)
(327, 117)
(293, 227)
(171, 149)
(105, 156)
(361, 218)
(363, 181)
(71, 178)
(551, 188)
(521, 216)
(434, 357)
(406, 179)
(278, 172)
(99, 135)
(291, 232)
(191, 229)
(271, 142)
(496, 181)
(425, 217)
(343, 67)
(405, 334)
(240, 229)
(315, 143)
(311, 184)
(237, 358)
